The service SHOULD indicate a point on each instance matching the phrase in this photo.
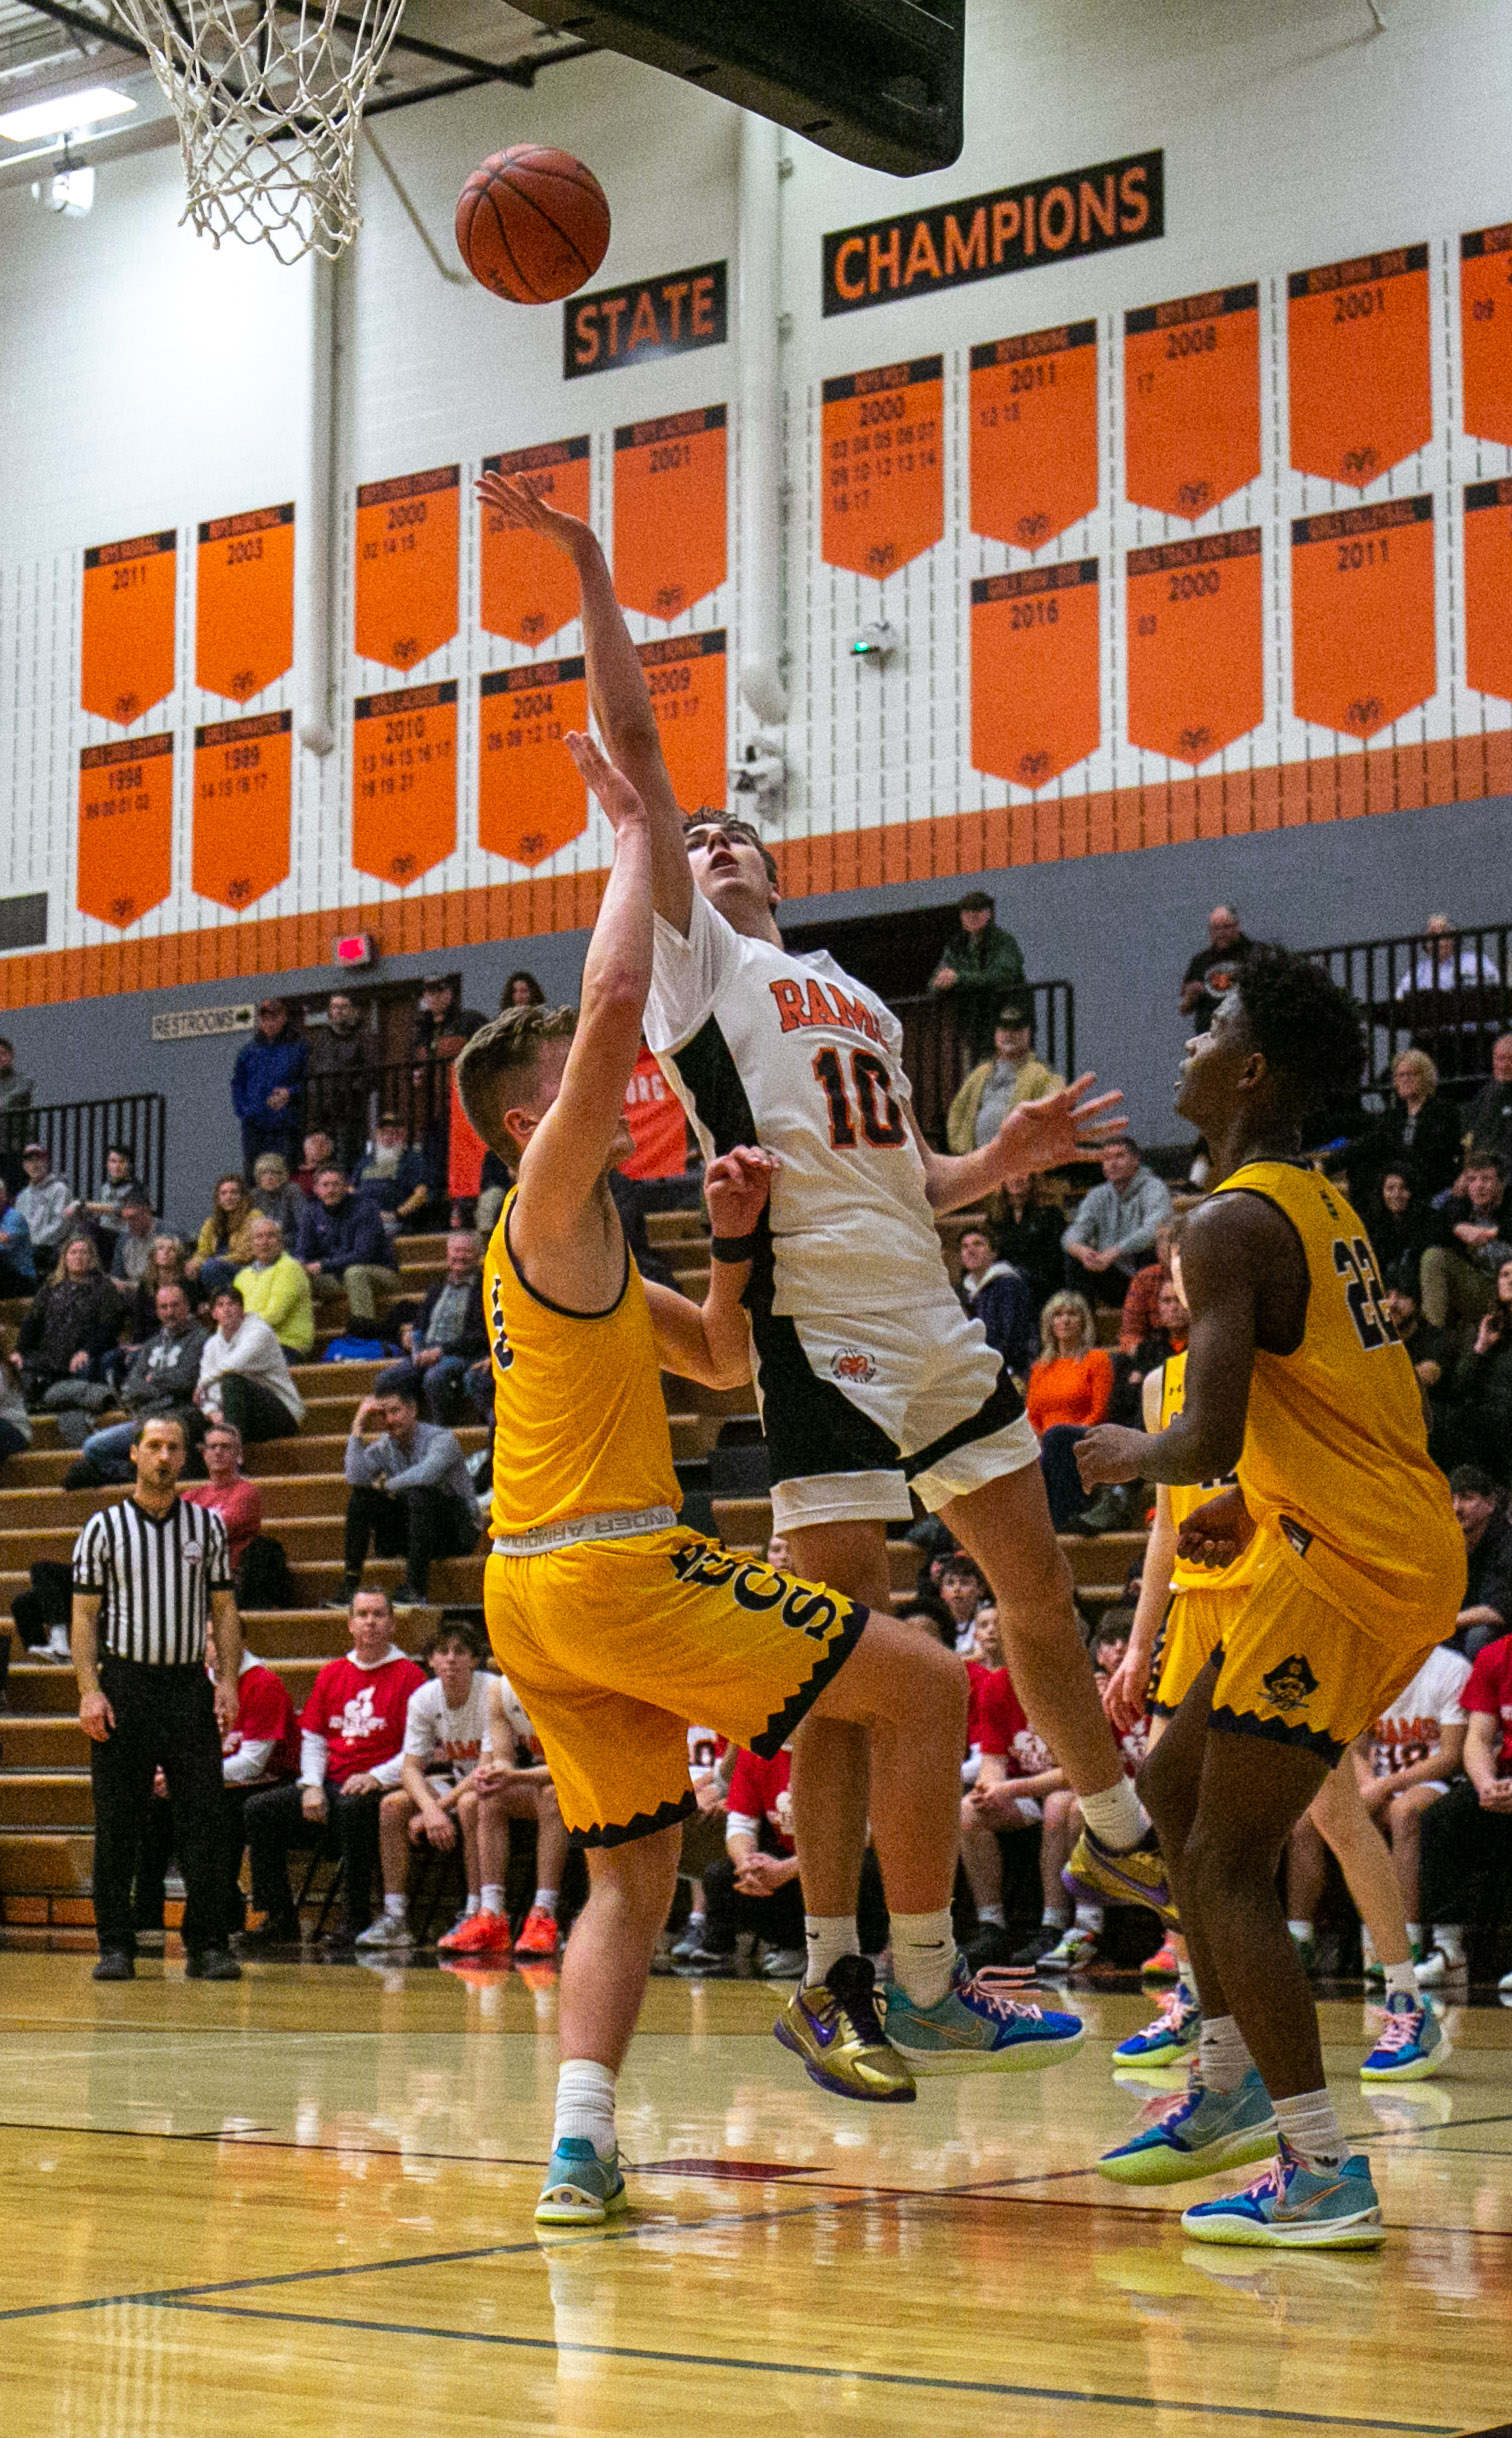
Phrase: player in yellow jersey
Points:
(1295, 1380)
(617, 1627)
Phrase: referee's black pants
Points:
(416, 1525)
(164, 1718)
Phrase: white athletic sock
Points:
(491, 1898)
(1089, 1917)
(1114, 1817)
(1311, 2125)
(1449, 1938)
(1401, 1978)
(473, 1905)
(585, 2104)
(924, 1953)
(1414, 1934)
(828, 1936)
(1367, 1946)
(1223, 2060)
(396, 1907)
(545, 1901)
(1055, 1917)
(991, 1917)
(1300, 1931)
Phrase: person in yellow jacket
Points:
(276, 1287)
(1013, 1074)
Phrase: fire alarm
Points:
(356, 949)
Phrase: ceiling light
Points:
(62, 116)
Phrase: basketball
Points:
(532, 224)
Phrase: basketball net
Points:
(268, 96)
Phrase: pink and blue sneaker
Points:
(1296, 2207)
(1411, 2043)
(1199, 2134)
(1171, 2039)
(978, 2028)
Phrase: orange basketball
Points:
(532, 224)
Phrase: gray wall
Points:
(1121, 927)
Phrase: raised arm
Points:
(1037, 1134)
(711, 1342)
(617, 692)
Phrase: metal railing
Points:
(77, 1135)
(348, 1107)
(935, 1057)
(1445, 992)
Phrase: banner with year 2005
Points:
(404, 781)
(884, 466)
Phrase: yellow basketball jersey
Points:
(580, 1426)
(1335, 1449)
(1187, 1497)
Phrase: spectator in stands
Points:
(48, 1204)
(1026, 1230)
(351, 1738)
(1488, 1120)
(244, 1374)
(121, 1185)
(267, 1085)
(276, 1195)
(449, 1333)
(1011, 1075)
(1469, 1830)
(930, 1616)
(318, 1152)
(1405, 1761)
(224, 1244)
(754, 1886)
(1140, 1315)
(261, 1750)
(133, 1244)
(513, 1783)
(1473, 1403)
(1432, 1350)
(981, 967)
(15, 1090)
(393, 1175)
(70, 1327)
(340, 1054)
(410, 1491)
(275, 1288)
(1113, 1232)
(1070, 1389)
(167, 1266)
(1452, 1001)
(1467, 1247)
(437, 1799)
(1008, 1774)
(521, 990)
(1214, 969)
(962, 1588)
(1397, 1216)
(161, 1380)
(993, 1292)
(344, 1246)
(259, 1568)
(438, 1005)
(15, 1422)
(18, 1270)
(1418, 1134)
(1481, 1514)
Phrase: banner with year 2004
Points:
(531, 801)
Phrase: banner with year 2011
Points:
(1034, 434)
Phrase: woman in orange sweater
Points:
(1070, 1388)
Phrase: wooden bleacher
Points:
(46, 1815)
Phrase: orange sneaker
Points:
(480, 1934)
(540, 1936)
(1163, 1965)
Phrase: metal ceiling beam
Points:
(78, 23)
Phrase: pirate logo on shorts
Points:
(1291, 1684)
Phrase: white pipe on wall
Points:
(316, 607)
(760, 595)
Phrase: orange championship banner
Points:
(404, 781)
(685, 675)
(1036, 691)
(1358, 338)
(1363, 648)
(884, 466)
(1196, 645)
(671, 518)
(125, 828)
(244, 602)
(243, 785)
(531, 801)
(654, 1115)
(126, 664)
(1488, 587)
(527, 587)
(1486, 332)
(1192, 400)
(407, 567)
(1034, 434)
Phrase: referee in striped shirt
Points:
(151, 1589)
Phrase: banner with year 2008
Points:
(1192, 400)
(404, 781)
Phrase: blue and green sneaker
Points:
(1197, 2135)
(1410, 2045)
(581, 2189)
(976, 2028)
(1171, 2039)
(1294, 2207)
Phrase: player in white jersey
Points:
(872, 1381)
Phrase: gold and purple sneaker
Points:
(1137, 1877)
(834, 2027)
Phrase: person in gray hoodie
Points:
(1113, 1232)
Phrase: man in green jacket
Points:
(274, 1287)
(982, 965)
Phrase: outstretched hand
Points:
(736, 1187)
(1047, 1133)
(612, 788)
(514, 500)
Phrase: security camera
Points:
(875, 642)
(758, 776)
(71, 191)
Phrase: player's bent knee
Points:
(397, 1806)
(892, 1677)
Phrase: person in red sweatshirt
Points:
(351, 1751)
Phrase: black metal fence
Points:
(935, 1057)
(1445, 992)
(347, 1107)
(77, 1135)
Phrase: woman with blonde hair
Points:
(224, 1244)
(1070, 1389)
(1418, 1134)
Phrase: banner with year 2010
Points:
(404, 781)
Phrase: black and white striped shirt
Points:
(154, 1576)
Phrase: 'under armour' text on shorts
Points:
(858, 1411)
(615, 1647)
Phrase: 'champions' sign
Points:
(1085, 211)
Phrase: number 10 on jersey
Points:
(868, 1104)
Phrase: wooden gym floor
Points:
(303, 2203)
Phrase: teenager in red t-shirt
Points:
(1469, 1830)
(351, 1747)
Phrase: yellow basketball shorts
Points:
(1195, 1625)
(1299, 1669)
(614, 1647)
